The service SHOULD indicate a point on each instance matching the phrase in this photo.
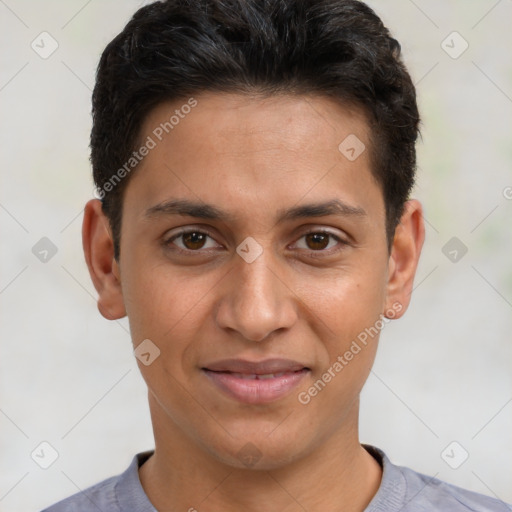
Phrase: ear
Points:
(99, 255)
(404, 257)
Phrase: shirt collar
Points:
(390, 496)
(129, 491)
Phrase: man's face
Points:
(250, 310)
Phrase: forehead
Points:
(293, 121)
(245, 149)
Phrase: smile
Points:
(256, 383)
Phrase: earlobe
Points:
(403, 261)
(99, 256)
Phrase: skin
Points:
(299, 299)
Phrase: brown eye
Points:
(191, 241)
(194, 240)
(320, 242)
(317, 241)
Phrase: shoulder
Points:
(122, 493)
(405, 490)
(434, 494)
(101, 496)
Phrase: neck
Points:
(339, 474)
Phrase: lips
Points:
(255, 382)
(256, 376)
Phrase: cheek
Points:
(349, 309)
(161, 308)
(161, 303)
(170, 310)
(351, 313)
(351, 302)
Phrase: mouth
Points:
(256, 382)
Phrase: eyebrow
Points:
(201, 210)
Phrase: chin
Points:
(256, 451)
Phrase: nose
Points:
(256, 300)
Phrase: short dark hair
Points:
(175, 48)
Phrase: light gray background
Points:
(443, 372)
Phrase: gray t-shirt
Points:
(401, 490)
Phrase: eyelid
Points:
(168, 238)
(341, 241)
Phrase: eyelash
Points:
(311, 252)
